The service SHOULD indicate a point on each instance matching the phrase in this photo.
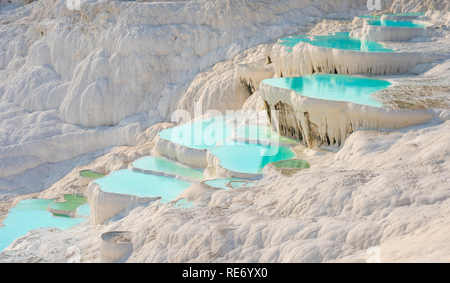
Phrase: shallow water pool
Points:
(90, 174)
(142, 185)
(291, 164)
(71, 203)
(407, 14)
(200, 134)
(264, 133)
(84, 210)
(333, 87)
(369, 17)
(159, 164)
(28, 215)
(341, 41)
(399, 24)
(249, 158)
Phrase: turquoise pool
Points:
(263, 133)
(369, 17)
(28, 215)
(201, 134)
(400, 24)
(407, 14)
(84, 210)
(341, 41)
(183, 203)
(142, 185)
(249, 158)
(159, 164)
(71, 203)
(333, 87)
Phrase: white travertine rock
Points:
(252, 75)
(105, 205)
(382, 33)
(215, 170)
(115, 245)
(189, 156)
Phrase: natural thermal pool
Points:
(84, 210)
(340, 40)
(142, 185)
(28, 215)
(160, 164)
(399, 24)
(407, 14)
(90, 174)
(369, 17)
(333, 87)
(249, 158)
(200, 134)
(291, 164)
(72, 202)
(264, 133)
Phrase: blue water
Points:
(249, 158)
(159, 164)
(340, 40)
(201, 134)
(369, 17)
(220, 183)
(333, 87)
(142, 185)
(265, 133)
(406, 14)
(84, 210)
(400, 24)
(184, 203)
(28, 215)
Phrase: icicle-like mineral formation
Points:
(306, 59)
(252, 75)
(323, 122)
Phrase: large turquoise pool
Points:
(142, 185)
(159, 164)
(200, 134)
(249, 158)
(400, 24)
(340, 41)
(28, 215)
(333, 87)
